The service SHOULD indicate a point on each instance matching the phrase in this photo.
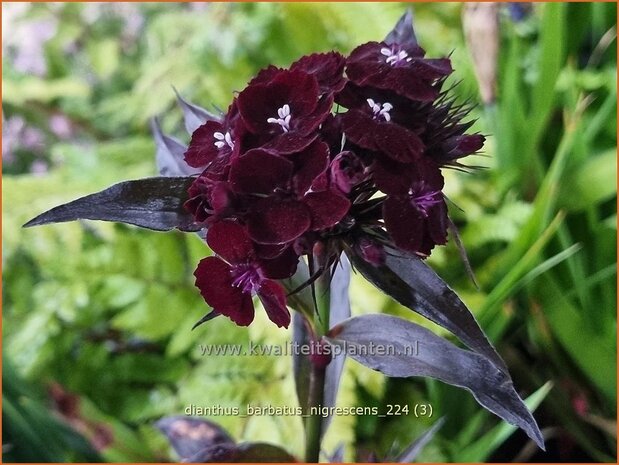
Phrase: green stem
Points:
(313, 425)
(323, 300)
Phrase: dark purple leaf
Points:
(189, 435)
(249, 452)
(408, 280)
(408, 349)
(403, 32)
(412, 451)
(302, 302)
(339, 311)
(170, 154)
(194, 115)
(152, 203)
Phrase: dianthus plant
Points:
(332, 162)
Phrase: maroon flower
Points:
(228, 281)
(402, 69)
(278, 221)
(209, 199)
(214, 143)
(416, 217)
(282, 112)
(286, 196)
(371, 128)
(346, 171)
(310, 167)
(327, 68)
(283, 175)
(259, 172)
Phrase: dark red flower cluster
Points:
(345, 152)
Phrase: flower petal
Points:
(202, 149)
(288, 142)
(326, 208)
(309, 164)
(259, 102)
(230, 241)
(392, 177)
(460, 146)
(259, 172)
(404, 223)
(391, 139)
(277, 221)
(273, 297)
(282, 266)
(214, 280)
(328, 68)
(269, 251)
(265, 75)
(413, 79)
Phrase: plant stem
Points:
(313, 425)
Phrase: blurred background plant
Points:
(97, 317)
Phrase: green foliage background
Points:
(105, 310)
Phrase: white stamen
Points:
(380, 111)
(284, 118)
(223, 139)
(393, 57)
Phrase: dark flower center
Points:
(380, 110)
(424, 199)
(284, 118)
(395, 56)
(221, 140)
(247, 277)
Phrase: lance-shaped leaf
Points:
(399, 348)
(410, 454)
(339, 304)
(403, 32)
(190, 435)
(170, 154)
(248, 452)
(153, 203)
(411, 282)
(194, 115)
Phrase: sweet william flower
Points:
(215, 142)
(327, 68)
(415, 213)
(209, 199)
(397, 67)
(284, 174)
(371, 126)
(346, 171)
(228, 281)
(298, 200)
(281, 110)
